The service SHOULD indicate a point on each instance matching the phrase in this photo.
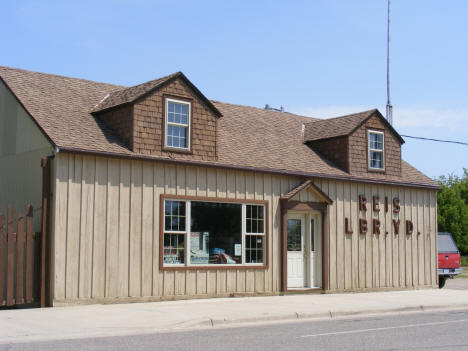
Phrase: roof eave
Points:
(307, 141)
(247, 168)
(110, 108)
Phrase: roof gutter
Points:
(245, 168)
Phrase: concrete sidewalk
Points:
(141, 318)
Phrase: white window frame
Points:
(369, 150)
(187, 238)
(187, 229)
(245, 234)
(167, 123)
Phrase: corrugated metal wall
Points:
(106, 232)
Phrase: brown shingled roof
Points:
(341, 126)
(61, 107)
(132, 94)
(127, 95)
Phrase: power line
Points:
(438, 140)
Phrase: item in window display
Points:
(223, 258)
(205, 239)
(195, 241)
(226, 259)
(171, 256)
(237, 249)
(199, 241)
(217, 251)
(199, 257)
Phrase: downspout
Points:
(284, 243)
(45, 263)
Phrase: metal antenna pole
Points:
(389, 109)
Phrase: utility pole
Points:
(389, 109)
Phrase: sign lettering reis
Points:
(362, 203)
(376, 224)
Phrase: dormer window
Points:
(376, 150)
(177, 124)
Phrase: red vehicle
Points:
(449, 258)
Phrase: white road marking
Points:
(385, 328)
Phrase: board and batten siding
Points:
(106, 232)
(106, 228)
(381, 261)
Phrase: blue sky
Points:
(320, 58)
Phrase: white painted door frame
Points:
(297, 251)
(315, 249)
(304, 263)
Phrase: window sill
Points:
(214, 268)
(376, 170)
(177, 150)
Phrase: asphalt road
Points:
(419, 331)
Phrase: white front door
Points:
(296, 251)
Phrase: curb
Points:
(296, 316)
(208, 323)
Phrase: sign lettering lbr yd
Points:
(377, 227)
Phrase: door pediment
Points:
(307, 192)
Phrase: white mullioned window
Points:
(175, 229)
(177, 124)
(206, 233)
(376, 150)
(254, 233)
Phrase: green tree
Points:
(452, 208)
(464, 186)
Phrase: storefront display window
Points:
(213, 233)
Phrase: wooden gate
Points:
(20, 250)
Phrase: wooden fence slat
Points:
(29, 254)
(11, 238)
(17, 252)
(2, 259)
(20, 260)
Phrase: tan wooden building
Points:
(159, 193)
